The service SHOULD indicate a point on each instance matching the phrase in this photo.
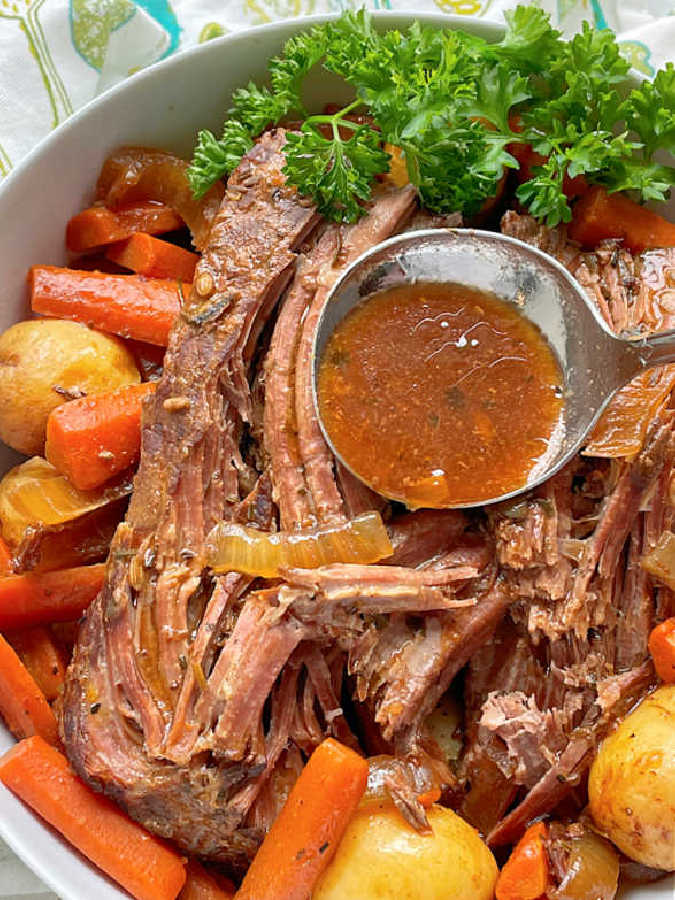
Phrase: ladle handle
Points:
(645, 353)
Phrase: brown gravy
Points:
(438, 395)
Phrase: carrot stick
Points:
(98, 225)
(202, 886)
(662, 649)
(525, 875)
(5, 559)
(91, 439)
(143, 864)
(61, 596)
(149, 256)
(22, 704)
(40, 654)
(128, 305)
(305, 835)
(599, 216)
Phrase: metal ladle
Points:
(594, 362)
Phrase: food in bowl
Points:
(215, 709)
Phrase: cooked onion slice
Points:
(236, 548)
(661, 561)
(622, 427)
(34, 495)
(138, 173)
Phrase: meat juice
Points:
(439, 395)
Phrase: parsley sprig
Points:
(453, 104)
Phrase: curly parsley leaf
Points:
(449, 101)
(215, 158)
(336, 172)
(650, 111)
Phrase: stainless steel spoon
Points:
(595, 362)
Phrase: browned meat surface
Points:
(571, 656)
(194, 700)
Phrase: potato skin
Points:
(41, 362)
(381, 857)
(631, 785)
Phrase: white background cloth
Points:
(55, 55)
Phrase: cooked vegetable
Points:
(236, 548)
(202, 886)
(22, 704)
(136, 859)
(42, 656)
(622, 428)
(128, 305)
(5, 558)
(447, 100)
(34, 495)
(631, 787)
(526, 874)
(306, 834)
(660, 563)
(44, 362)
(589, 865)
(27, 600)
(149, 256)
(381, 857)
(132, 174)
(599, 216)
(662, 648)
(97, 226)
(444, 725)
(92, 439)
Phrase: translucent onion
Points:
(661, 561)
(592, 869)
(622, 427)
(236, 548)
(138, 173)
(34, 495)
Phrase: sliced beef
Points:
(302, 467)
(138, 654)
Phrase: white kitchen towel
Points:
(55, 55)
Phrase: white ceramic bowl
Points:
(163, 106)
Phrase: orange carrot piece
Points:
(128, 305)
(146, 255)
(662, 649)
(23, 706)
(91, 439)
(27, 600)
(525, 875)
(305, 835)
(599, 216)
(99, 225)
(140, 862)
(200, 885)
(5, 559)
(44, 659)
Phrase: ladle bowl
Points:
(594, 361)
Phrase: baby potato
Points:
(381, 857)
(443, 726)
(631, 786)
(43, 363)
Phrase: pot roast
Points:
(194, 699)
